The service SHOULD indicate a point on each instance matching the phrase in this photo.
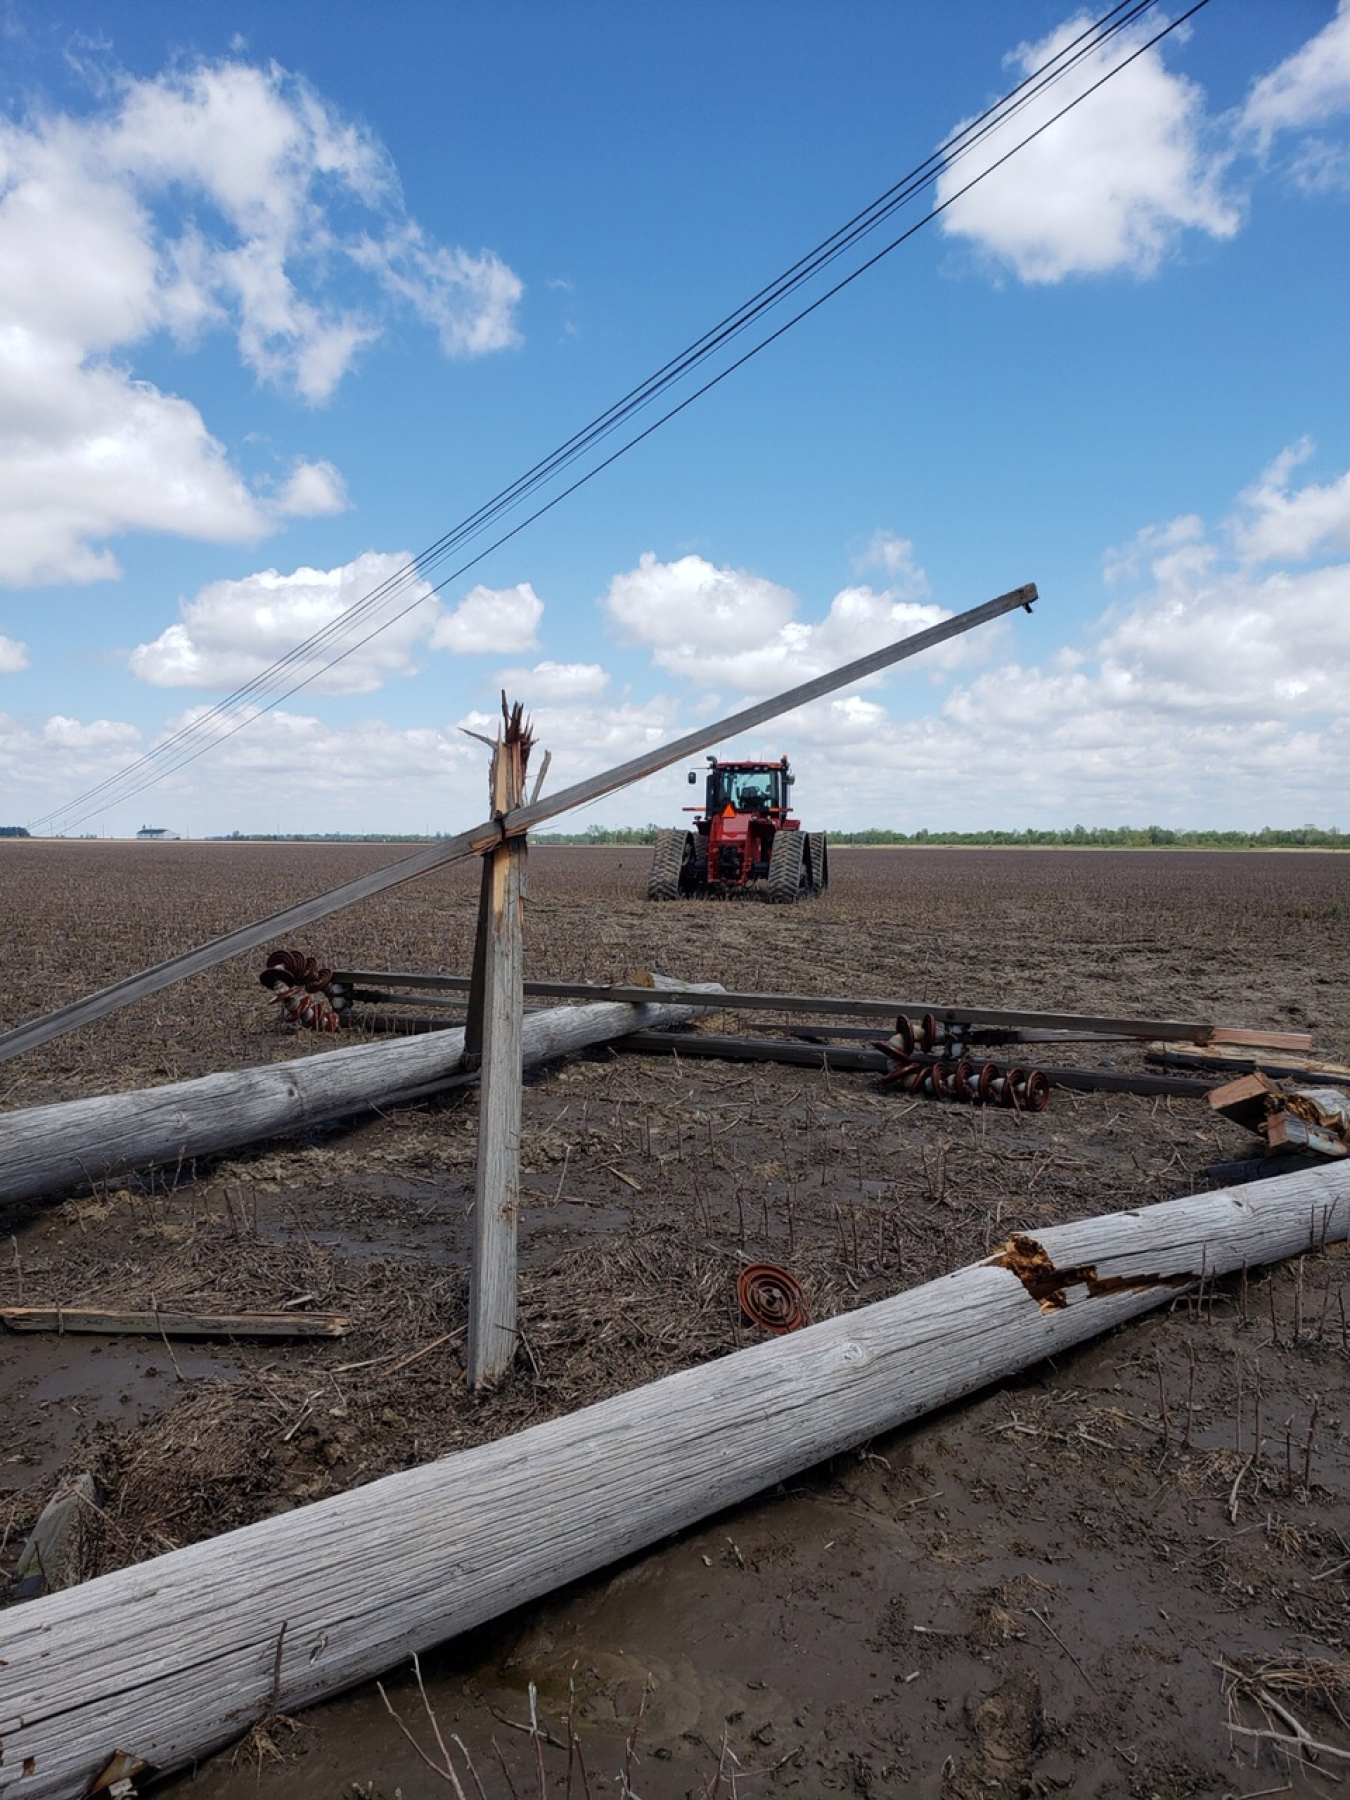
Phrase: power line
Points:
(231, 714)
(292, 672)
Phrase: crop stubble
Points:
(1035, 1587)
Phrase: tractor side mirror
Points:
(791, 780)
(693, 777)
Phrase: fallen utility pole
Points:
(379, 986)
(169, 1659)
(859, 1059)
(51, 1150)
(483, 837)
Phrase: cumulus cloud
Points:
(500, 620)
(1307, 88)
(894, 557)
(13, 655)
(312, 490)
(365, 773)
(1112, 185)
(553, 681)
(733, 628)
(233, 630)
(220, 197)
(1215, 694)
(1277, 521)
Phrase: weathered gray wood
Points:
(172, 1657)
(482, 837)
(492, 1276)
(104, 1322)
(58, 1149)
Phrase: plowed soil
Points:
(1124, 1575)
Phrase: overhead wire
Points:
(236, 710)
(290, 672)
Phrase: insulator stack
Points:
(1024, 1090)
(307, 995)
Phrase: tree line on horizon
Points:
(1103, 837)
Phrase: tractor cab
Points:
(745, 807)
(755, 788)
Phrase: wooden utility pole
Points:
(496, 1012)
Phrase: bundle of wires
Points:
(1108, 39)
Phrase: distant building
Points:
(156, 834)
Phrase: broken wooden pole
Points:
(59, 1149)
(501, 959)
(171, 1658)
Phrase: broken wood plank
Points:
(50, 1558)
(93, 1319)
(1245, 1101)
(1286, 1131)
(1232, 1057)
(1262, 1040)
(62, 1148)
(850, 1057)
(173, 1657)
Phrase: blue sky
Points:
(285, 293)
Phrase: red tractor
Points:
(744, 834)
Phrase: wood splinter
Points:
(1047, 1285)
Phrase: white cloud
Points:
(13, 655)
(1110, 186)
(555, 681)
(470, 300)
(1278, 522)
(63, 733)
(312, 490)
(217, 197)
(501, 620)
(1214, 691)
(683, 607)
(894, 557)
(287, 766)
(731, 628)
(1307, 88)
(233, 630)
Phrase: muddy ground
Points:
(1101, 1578)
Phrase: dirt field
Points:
(1078, 1582)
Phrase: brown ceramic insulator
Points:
(1036, 1094)
(771, 1298)
(1011, 1082)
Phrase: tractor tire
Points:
(817, 862)
(694, 880)
(668, 858)
(787, 867)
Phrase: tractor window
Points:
(748, 790)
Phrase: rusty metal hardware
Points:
(771, 1298)
(1024, 1090)
(307, 994)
